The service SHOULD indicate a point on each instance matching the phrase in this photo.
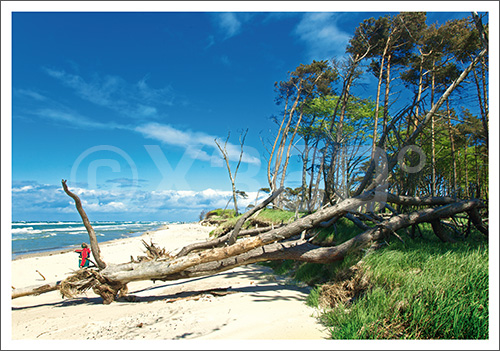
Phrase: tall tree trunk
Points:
(271, 176)
(283, 142)
(305, 159)
(386, 95)
(433, 143)
(413, 121)
(480, 101)
(478, 182)
(485, 120)
(281, 148)
(452, 141)
(377, 99)
(466, 168)
(368, 177)
(289, 149)
(310, 203)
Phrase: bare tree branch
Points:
(94, 245)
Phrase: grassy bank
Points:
(226, 219)
(420, 289)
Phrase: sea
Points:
(37, 237)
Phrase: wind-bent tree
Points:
(305, 83)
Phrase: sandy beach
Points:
(246, 303)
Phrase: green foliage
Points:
(470, 153)
(321, 112)
(423, 289)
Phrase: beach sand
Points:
(257, 306)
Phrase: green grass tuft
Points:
(275, 216)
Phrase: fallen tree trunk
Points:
(260, 230)
(475, 218)
(418, 201)
(155, 270)
(234, 234)
(35, 289)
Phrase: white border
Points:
(250, 6)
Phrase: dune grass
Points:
(419, 289)
(266, 217)
(275, 216)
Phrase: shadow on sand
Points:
(257, 291)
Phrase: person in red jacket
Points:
(84, 252)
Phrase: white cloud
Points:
(73, 119)
(138, 100)
(196, 144)
(211, 41)
(31, 94)
(22, 189)
(229, 23)
(49, 201)
(111, 207)
(225, 60)
(322, 37)
(135, 100)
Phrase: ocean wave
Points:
(26, 230)
(43, 235)
(33, 237)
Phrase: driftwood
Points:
(35, 289)
(260, 230)
(96, 251)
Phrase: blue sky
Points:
(126, 105)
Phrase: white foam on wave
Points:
(26, 230)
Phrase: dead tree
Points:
(232, 177)
(96, 251)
